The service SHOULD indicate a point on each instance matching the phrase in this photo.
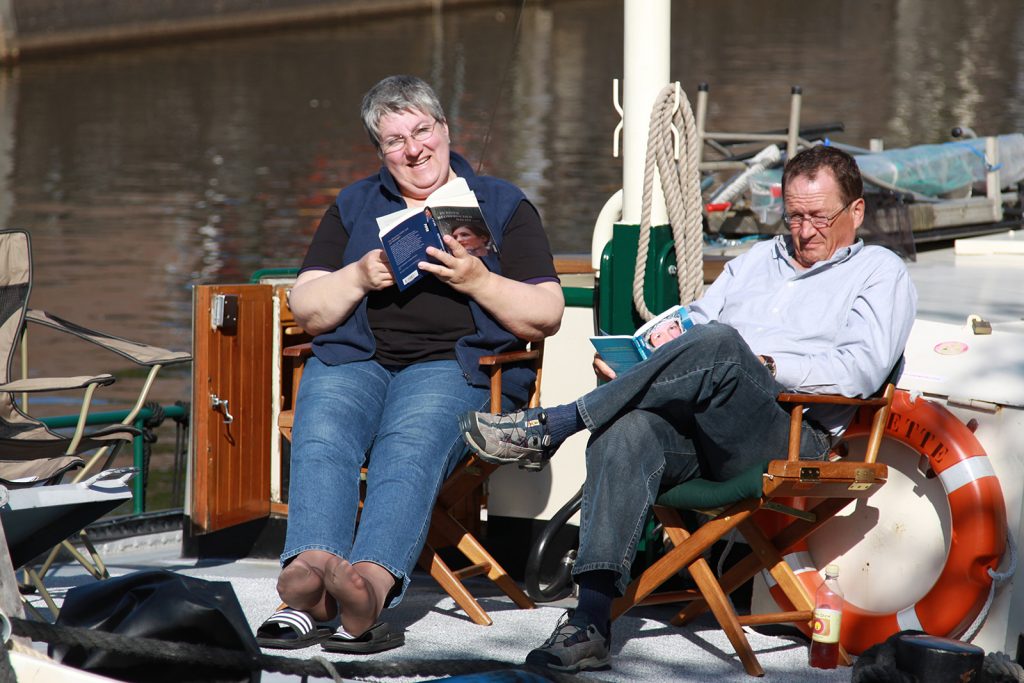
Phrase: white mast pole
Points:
(647, 43)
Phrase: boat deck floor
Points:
(645, 646)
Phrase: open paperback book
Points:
(623, 351)
(452, 209)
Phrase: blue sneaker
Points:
(520, 437)
(573, 648)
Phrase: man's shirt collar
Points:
(784, 251)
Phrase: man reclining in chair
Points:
(813, 311)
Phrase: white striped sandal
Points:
(291, 629)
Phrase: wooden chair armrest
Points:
(881, 404)
(298, 350)
(494, 364)
(510, 357)
(833, 399)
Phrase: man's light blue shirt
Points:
(836, 327)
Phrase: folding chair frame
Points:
(823, 487)
(445, 528)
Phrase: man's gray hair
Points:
(396, 94)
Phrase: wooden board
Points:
(231, 461)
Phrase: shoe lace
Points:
(563, 630)
(513, 425)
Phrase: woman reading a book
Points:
(392, 370)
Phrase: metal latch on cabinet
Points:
(221, 404)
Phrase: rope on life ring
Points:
(960, 598)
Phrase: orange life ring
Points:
(978, 518)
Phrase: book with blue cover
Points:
(623, 351)
(453, 210)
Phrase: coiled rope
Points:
(998, 579)
(204, 655)
(680, 182)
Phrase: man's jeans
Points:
(410, 417)
(702, 405)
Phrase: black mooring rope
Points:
(204, 655)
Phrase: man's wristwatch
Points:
(769, 363)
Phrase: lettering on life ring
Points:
(978, 521)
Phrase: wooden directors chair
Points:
(823, 487)
(454, 501)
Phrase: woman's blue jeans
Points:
(702, 405)
(403, 425)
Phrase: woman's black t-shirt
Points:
(424, 322)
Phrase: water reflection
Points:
(142, 173)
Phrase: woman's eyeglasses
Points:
(397, 142)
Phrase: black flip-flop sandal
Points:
(377, 639)
(290, 629)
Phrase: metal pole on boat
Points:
(646, 46)
(647, 43)
(993, 189)
(793, 134)
(700, 118)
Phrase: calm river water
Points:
(142, 173)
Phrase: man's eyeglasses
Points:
(796, 220)
(397, 142)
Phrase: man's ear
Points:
(857, 210)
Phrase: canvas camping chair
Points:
(38, 517)
(445, 528)
(807, 493)
(31, 454)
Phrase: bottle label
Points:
(825, 627)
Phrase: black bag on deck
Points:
(163, 605)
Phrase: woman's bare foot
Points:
(360, 591)
(301, 585)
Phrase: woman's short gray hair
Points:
(396, 94)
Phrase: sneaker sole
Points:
(585, 664)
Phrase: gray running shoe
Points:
(572, 648)
(520, 437)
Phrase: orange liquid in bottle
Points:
(824, 655)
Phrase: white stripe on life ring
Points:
(966, 471)
(800, 562)
(907, 619)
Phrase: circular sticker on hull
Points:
(950, 348)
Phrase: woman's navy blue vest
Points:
(359, 205)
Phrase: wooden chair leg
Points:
(453, 533)
(723, 610)
(452, 585)
(779, 569)
(784, 575)
(746, 568)
(682, 555)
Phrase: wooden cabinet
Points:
(239, 386)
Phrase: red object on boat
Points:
(977, 517)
